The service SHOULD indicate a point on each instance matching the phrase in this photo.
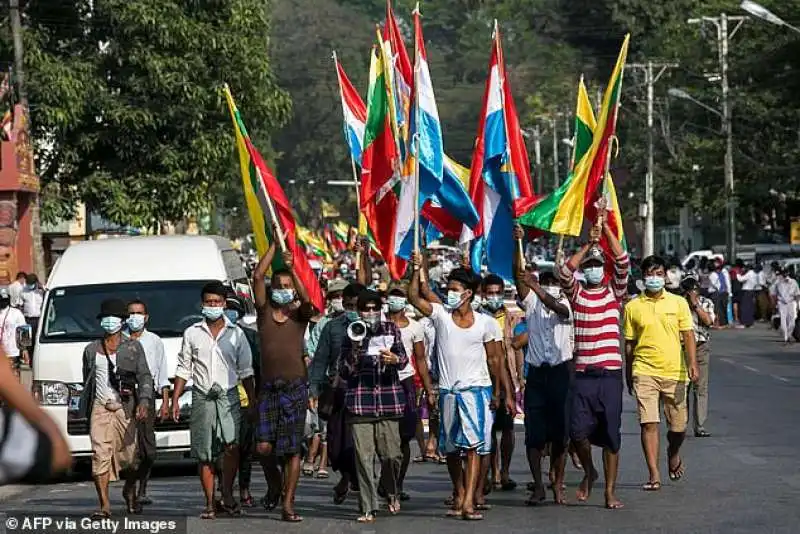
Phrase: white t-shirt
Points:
(460, 351)
(749, 280)
(430, 339)
(553, 343)
(10, 319)
(497, 330)
(102, 384)
(411, 334)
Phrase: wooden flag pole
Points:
(416, 143)
(273, 215)
(560, 250)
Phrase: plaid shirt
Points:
(373, 388)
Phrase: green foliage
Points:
(126, 103)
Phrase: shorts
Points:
(408, 424)
(466, 420)
(649, 390)
(546, 405)
(503, 420)
(282, 410)
(596, 408)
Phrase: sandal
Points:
(454, 512)
(208, 513)
(420, 459)
(322, 473)
(404, 496)
(508, 485)
(677, 473)
(247, 501)
(269, 502)
(471, 516)
(393, 505)
(652, 486)
(450, 501)
(290, 517)
(340, 496)
(308, 469)
(133, 506)
(366, 518)
(100, 515)
(233, 510)
(483, 507)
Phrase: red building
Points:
(19, 186)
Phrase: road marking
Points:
(751, 368)
(726, 360)
(782, 379)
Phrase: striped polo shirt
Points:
(596, 315)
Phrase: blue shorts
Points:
(596, 408)
(466, 420)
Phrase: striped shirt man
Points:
(597, 314)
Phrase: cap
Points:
(114, 308)
(594, 254)
(337, 285)
(4, 293)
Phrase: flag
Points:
(500, 183)
(451, 208)
(426, 146)
(257, 193)
(354, 111)
(379, 181)
(553, 213)
(401, 78)
(329, 210)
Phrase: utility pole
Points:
(554, 125)
(19, 76)
(650, 81)
(537, 154)
(723, 37)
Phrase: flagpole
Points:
(601, 216)
(352, 160)
(502, 70)
(416, 137)
(273, 215)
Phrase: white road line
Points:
(782, 379)
(726, 360)
(751, 368)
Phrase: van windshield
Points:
(71, 312)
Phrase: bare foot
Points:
(612, 503)
(585, 489)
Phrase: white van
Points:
(164, 272)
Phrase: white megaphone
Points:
(357, 331)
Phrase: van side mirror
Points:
(24, 336)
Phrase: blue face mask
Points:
(135, 322)
(396, 303)
(111, 325)
(282, 297)
(352, 315)
(212, 313)
(593, 275)
(454, 299)
(654, 284)
(232, 315)
(494, 302)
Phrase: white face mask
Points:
(553, 291)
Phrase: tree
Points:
(125, 98)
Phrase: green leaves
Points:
(127, 97)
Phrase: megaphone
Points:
(357, 331)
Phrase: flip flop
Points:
(322, 473)
(366, 518)
(100, 515)
(483, 507)
(208, 513)
(471, 516)
(420, 459)
(508, 485)
(454, 513)
(290, 517)
(340, 497)
(651, 486)
(678, 472)
(614, 506)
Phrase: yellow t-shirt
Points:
(501, 319)
(656, 325)
(243, 396)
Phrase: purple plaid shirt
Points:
(373, 388)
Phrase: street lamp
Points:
(680, 93)
(757, 10)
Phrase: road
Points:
(743, 479)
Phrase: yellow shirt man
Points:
(655, 324)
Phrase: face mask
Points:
(30, 287)
(282, 297)
(212, 313)
(337, 306)
(396, 304)
(594, 275)
(232, 315)
(553, 291)
(135, 322)
(475, 304)
(654, 283)
(111, 324)
(494, 302)
(454, 299)
(372, 319)
(352, 315)
(343, 269)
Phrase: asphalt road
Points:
(743, 479)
